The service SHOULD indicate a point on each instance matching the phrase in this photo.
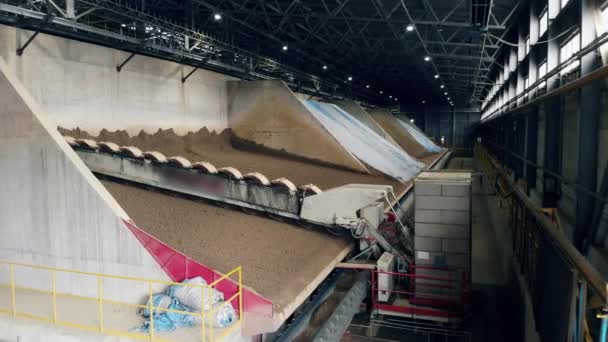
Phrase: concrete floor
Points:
(118, 319)
(489, 274)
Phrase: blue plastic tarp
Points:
(363, 143)
(420, 137)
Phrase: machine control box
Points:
(386, 282)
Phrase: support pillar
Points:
(588, 137)
(530, 147)
(553, 122)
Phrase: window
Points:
(543, 23)
(527, 46)
(568, 49)
(605, 18)
(563, 3)
(542, 72)
(526, 85)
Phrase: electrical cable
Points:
(506, 42)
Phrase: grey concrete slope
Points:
(54, 211)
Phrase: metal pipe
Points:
(591, 275)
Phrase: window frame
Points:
(542, 65)
(543, 14)
(570, 46)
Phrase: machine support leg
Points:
(21, 49)
(119, 66)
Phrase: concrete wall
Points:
(77, 84)
(55, 212)
(568, 168)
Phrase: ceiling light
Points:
(325, 67)
(445, 94)
(442, 86)
(123, 25)
(396, 99)
(412, 120)
(350, 78)
(427, 58)
(423, 101)
(409, 28)
(381, 92)
(285, 48)
(217, 16)
(436, 75)
(390, 96)
(367, 86)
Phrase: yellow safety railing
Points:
(207, 330)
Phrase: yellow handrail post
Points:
(54, 290)
(241, 294)
(202, 313)
(151, 308)
(100, 301)
(13, 300)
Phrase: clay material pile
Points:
(218, 149)
(282, 262)
(407, 142)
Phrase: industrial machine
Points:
(355, 209)
(371, 215)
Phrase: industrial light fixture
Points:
(350, 78)
(436, 75)
(427, 58)
(423, 101)
(409, 28)
(217, 17)
(123, 25)
(285, 48)
(381, 92)
(367, 86)
(445, 93)
(325, 67)
(442, 86)
(396, 99)
(390, 96)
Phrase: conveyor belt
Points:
(282, 262)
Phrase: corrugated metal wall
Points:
(455, 126)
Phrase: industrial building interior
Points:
(304, 170)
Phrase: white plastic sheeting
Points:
(420, 137)
(363, 142)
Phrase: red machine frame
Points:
(418, 304)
